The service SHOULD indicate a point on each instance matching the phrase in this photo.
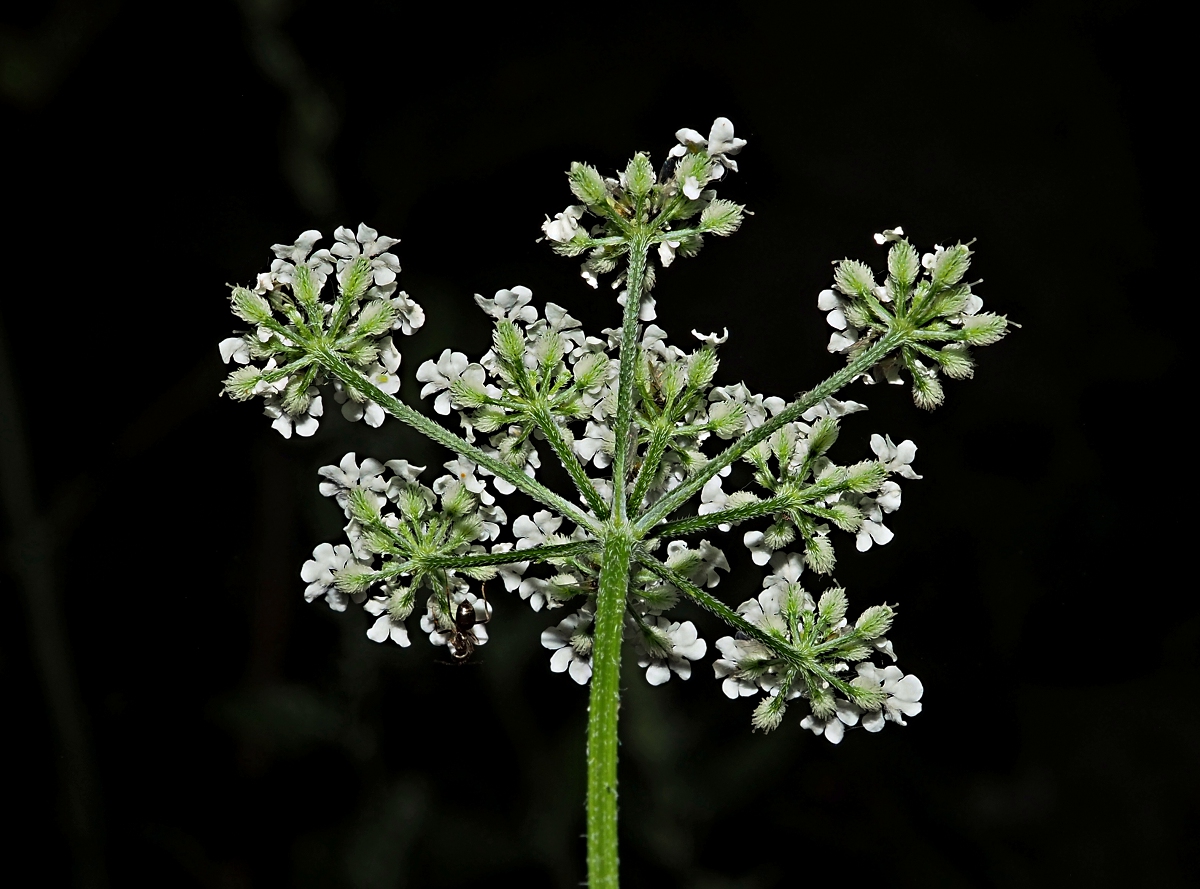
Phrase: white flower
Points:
(348, 475)
(713, 498)
(263, 283)
(735, 653)
(368, 243)
(833, 728)
(787, 567)
(595, 446)
(572, 646)
(511, 304)
(873, 530)
(666, 250)
(719, 145)
(235, 348)
(563, 226)
(319, 571)
(756, 542)
(439, 377)
(288, 256)
(928, 259)
(535, 531)
(888, 235)
(510, 574)
(390, 610)
(463, 471)
(831, 407)
(409, 315)
(383, 377)
(711, 338)
(764, 612)
(896, 458)
(845, 335)
(757, 407)
(699, 565)
(538, 591)
(888, 496)
(305, 424)
(685, 646)
(904, 695)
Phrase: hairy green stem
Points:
(448, 439)
(482, 560)
(715, 606)
(692, 524)
(602, 711)
(630, 351)
(659, 439)
(545, 422)
(676, 498)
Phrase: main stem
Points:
(602, 711)
(615, 558)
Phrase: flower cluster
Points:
(398, 529)
(928, 296)
(681, 206)
(639, 425)
(825, 646)
(291, 320)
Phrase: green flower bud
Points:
(949, 266)
(984, 329)
(853, 278)
(354, 578)
(818, 553)
(242, 384)
(769, 713)
(822, 436)
(702, 367)
(779, 535)
(400, 603)
(832, 607)
(864, 477)
(955, 361)
(306, 291)
(874, 622)
(249, 306)
(362, 506)
(904, 266)
(927, 391)
(587, 184)
(358, 278)
(639, 175)
(509, 344)
(375, 319)
(721, 218)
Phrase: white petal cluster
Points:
(368, 243)
(931, 294)
(292, 316)
(675, 197)
(786, 612)
(392, 517)
(664, 647)
(571, 642)
(721, 145)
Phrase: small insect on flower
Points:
(462, 639)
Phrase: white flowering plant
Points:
(648, 440)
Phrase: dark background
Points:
(177, 715)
